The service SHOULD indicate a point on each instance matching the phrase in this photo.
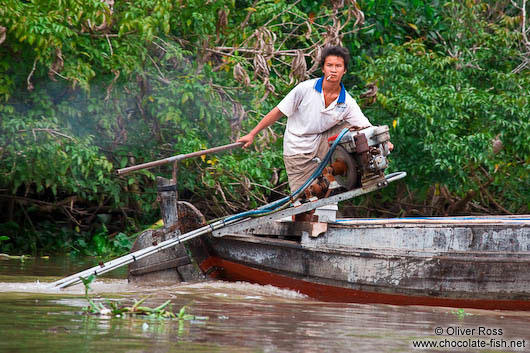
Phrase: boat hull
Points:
(479, 265)
(232, 271)
(464, 262)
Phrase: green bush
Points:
(91, 87)
(450, 105)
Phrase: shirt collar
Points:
(342, 94)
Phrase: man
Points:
(316, 109)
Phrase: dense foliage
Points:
(460, 116)
(90, 87)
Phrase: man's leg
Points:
(299, 168)
(328, 213)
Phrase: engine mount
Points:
(359, 160)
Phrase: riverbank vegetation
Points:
(87, 88)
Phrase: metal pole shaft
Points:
(137, 255)
(178, 158)
(214, 227)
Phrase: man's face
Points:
(333, 68)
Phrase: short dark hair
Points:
(335, 50)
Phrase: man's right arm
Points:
(267, 121)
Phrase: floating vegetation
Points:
(114, 309)
(22, 258)
(461, 313)
(117, 310)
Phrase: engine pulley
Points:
(347, 179)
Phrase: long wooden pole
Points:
(178, 158)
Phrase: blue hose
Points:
(282, 202)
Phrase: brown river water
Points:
(230, 317)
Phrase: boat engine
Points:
(359, 160)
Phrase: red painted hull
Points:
(231, 271)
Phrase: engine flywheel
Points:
(348, 179)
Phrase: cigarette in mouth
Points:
(327, 78)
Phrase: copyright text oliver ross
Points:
(469, 337)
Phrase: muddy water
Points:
(230, 317)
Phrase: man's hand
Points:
(390, 145)
(247, 139)
(267, 121)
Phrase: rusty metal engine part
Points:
(364, 153)
(347, 176)
(323, 185)
(358, 160)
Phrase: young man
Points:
(316, 109)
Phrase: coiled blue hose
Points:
(283, 201)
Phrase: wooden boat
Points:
(462, 262)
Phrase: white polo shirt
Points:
(308, 117)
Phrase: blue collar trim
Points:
(342, 94)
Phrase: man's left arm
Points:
(354, 115)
